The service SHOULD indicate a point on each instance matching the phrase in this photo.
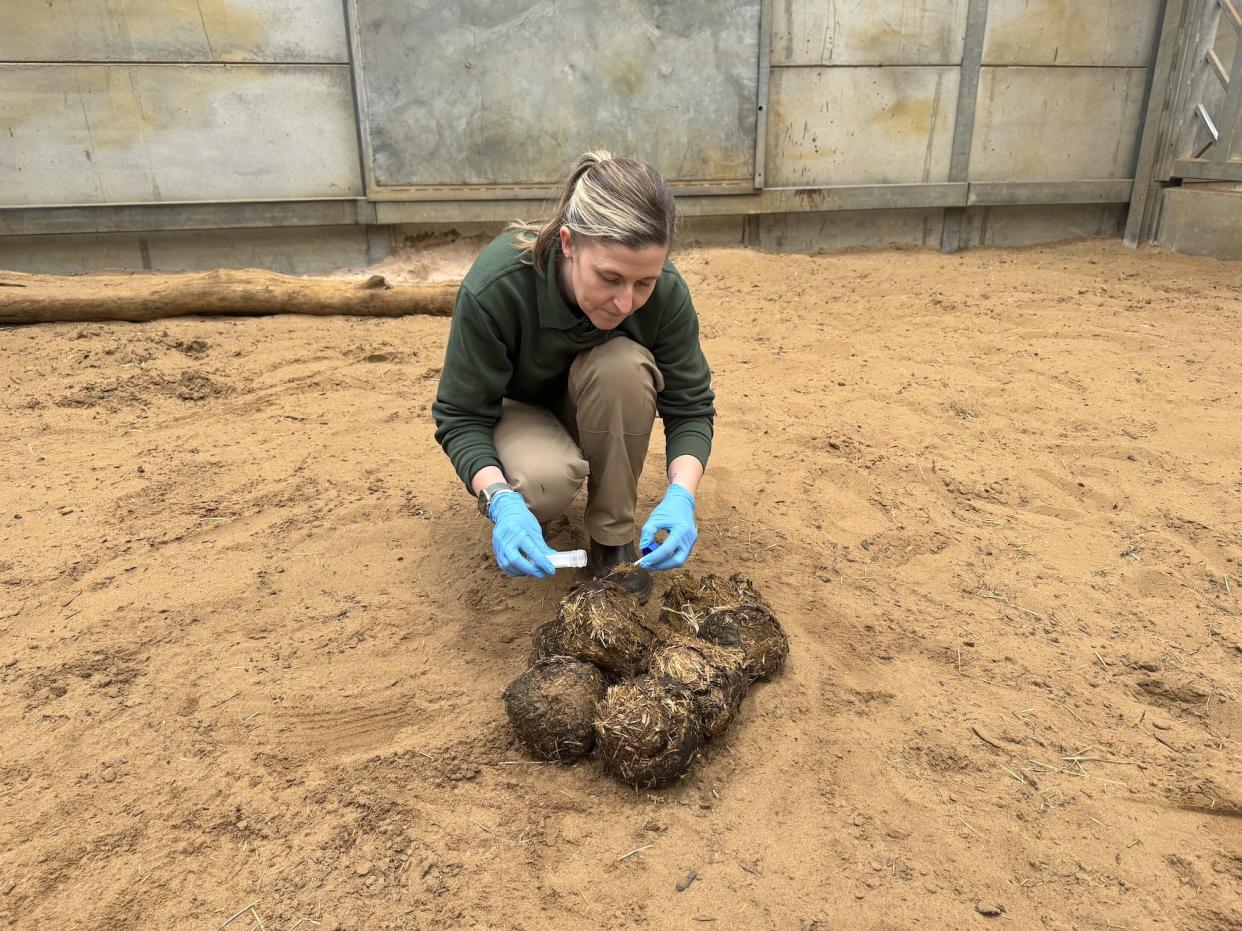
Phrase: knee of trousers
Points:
(547, 485)
(619, 370)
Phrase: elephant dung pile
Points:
(644, 696)
(552, 707)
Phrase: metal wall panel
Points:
(289, 251)
(97, 134)
(860, 125)
(173, 30)
(480, 92)
(710, 231)
(833, 232)
(1057, 124)
(870, 32)
(1118, 33)
(1202, 222)
(1009, 227)
(1226, 45)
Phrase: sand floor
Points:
(252, 640)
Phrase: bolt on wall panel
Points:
(99, 134)
(870, 32)
(1120, 33)
(481, 92)
(309, 31)
(829, 126)
(1057, 124)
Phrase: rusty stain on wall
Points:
(1057, 124)
(118, 104)
(1071, 32)
(309, 31)
(907, 115)
(231, 31)
(860, 125)
(626, 75)
(875, 32)
(119, 133)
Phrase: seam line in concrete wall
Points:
(362, 104)
(1156, 112)
(30, 221)
(355, 91)
(174, 204)
(189, 229)
(953, 64)
(763, 91)
(34, 221)
(964, 123)
(198, 62)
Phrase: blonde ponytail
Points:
(607, 199)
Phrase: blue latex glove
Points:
(517, 539)
(675, 516)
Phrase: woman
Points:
(568, 337)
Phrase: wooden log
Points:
(141, 296)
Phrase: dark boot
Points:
(606, 558)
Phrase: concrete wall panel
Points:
(871, 32)
(508, 93)
(173, 30)
(1026, 226)
(1119, 33)
(96, 134)
(307, 250)
(860, 125)
(847, 229)
(710, 231)
(1057, 124)
(1202, 222)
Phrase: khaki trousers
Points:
(599, 431)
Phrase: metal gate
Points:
(1194, 118)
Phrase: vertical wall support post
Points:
(765, 77)
(1158, 122)
(353, 27)
(964, 125)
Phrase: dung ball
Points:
(604, 624)
(648, 731)
(547, 641)
(730, 613)
(689, 599)
(552, 707)
(715, 675)
(758, 635)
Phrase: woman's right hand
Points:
(517, 539)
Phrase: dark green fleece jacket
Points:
(512, 336)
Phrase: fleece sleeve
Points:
(477, 368)
(687, 403)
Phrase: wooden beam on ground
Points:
(139, 296)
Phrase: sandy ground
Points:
(253, 642)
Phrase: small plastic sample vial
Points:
(571, 559)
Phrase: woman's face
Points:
(609, 281)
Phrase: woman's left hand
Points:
(675, 516)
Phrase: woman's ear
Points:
(567, 243)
